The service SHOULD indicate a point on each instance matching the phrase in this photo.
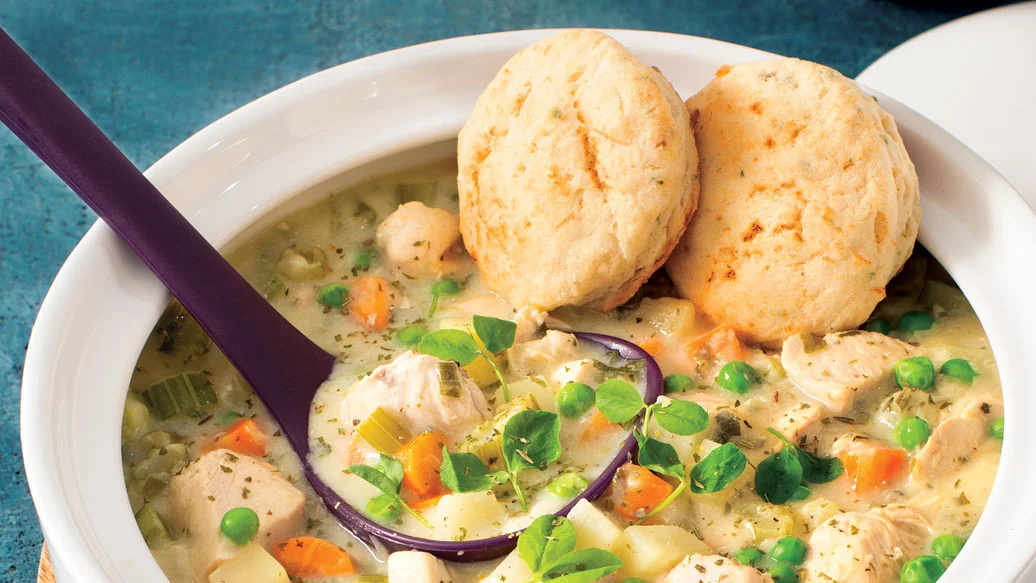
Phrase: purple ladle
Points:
(283, 367)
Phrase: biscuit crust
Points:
(577, 174)
(809, 202)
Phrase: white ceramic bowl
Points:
(334, 126)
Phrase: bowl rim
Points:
(72, 553)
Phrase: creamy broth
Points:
(341, 232)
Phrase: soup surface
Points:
(862, 443)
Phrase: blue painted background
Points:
(151, 73)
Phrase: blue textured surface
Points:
(153, 73)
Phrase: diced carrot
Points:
(372, 301)
(244, 437)
(720, 343)
(873, 468)
(422, 458)
(597, 425)
(308, 556)
(637, 491)
(652, 345)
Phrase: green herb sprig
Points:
(458, 345)
(619, 402)
(547, 547)
(386, 476)
(443, 287)
(780, 475)
(531, 440)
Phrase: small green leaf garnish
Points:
(443, 287)
(464, 472)
(718, 470)
(547, 548)
(458, 345)
(618, 401)
(681, 417)
(531, 440)
(779, 476)
(386, 476)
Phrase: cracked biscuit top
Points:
(577, 174)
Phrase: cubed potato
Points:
(251, 565)
(512, 569)
(467, 516)
(671, 316)
(593, 527)
(649, 550)
(416, 567)
(814, 513)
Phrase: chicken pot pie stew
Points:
(859, 452)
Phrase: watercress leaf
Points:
(375, 478)
(384, 507)
(618, 401)
(449, 344)
(546, 540)
(778, 476)
(680, 417)
(531, 440)
(818, 470)
(497, 335)
(464, 472)
(582, 566)
(721, 467)
(392, 468)
(659, 457)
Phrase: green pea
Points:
(916, 372)
(749, 556)
(912, 432)
(737, 376)
(959, 369)
(788, 550)
(915, 320)
(947, 546)
(333, 295)
(240, 525)
(997, 428)
(445, 287)
(411, 335)
(878, 325)
(783, 573)
(362, 261)
(574, 399)
(923, 569)
(801, 493)
(677, 383)
(568, 485)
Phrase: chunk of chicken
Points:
(865, 547)
(714, 569)
(410, 389)
(416, 567)
(841, 369)
(954, 439)
(800, 424)
(539, 357)
(418, 240)
(221, 480)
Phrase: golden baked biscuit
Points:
(809, 202)
(576, 174)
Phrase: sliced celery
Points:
(185, 393)
(151, 526)
(384, 432)
(449, 379)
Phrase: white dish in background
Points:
(104, 302)
(974, 77)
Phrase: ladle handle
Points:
(276, 359)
